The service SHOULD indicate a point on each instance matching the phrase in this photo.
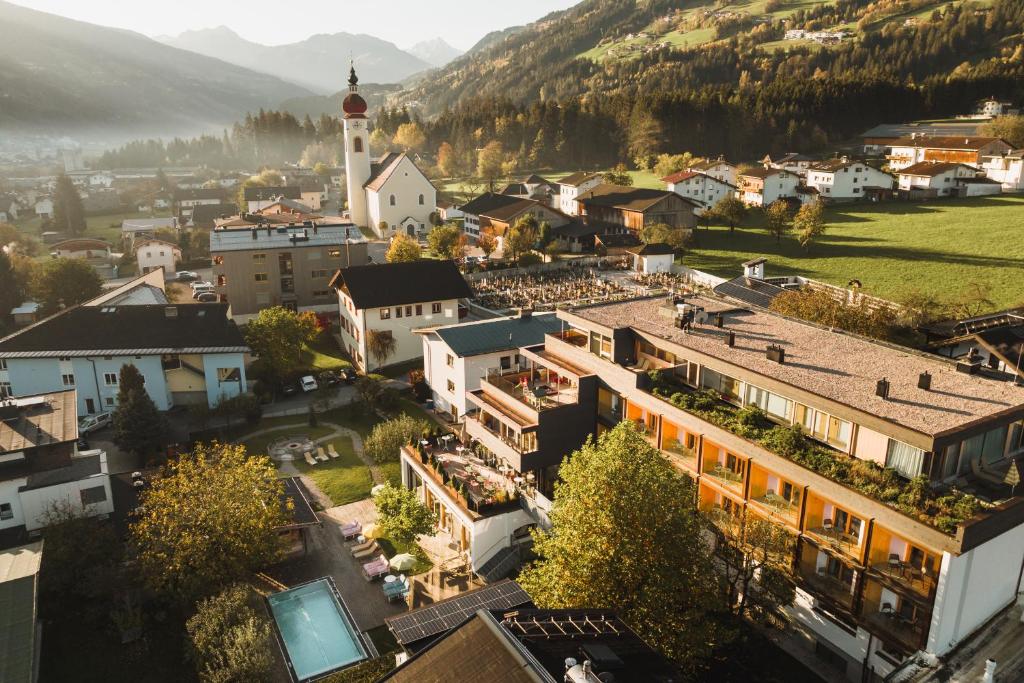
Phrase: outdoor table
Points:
(360, 539)
(390, 578)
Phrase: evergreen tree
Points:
(138, 426)
(68, 212)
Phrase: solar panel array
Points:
(756, 292)
(447, 614)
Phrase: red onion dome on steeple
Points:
(354, 105)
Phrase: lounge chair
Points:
(362, 546)
(376, 569)
(331, 452)
(351, 530)
(369, 552)
(309, 458)
(320, 454)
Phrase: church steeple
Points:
(353, 80)
(353, 105)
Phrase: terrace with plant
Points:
(941, 509)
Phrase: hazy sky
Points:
(403, 22)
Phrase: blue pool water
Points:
(317, 633)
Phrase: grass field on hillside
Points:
(894, 249)
(106, 227)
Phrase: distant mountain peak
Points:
(436, 51)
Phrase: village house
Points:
(719, 169)
(536, 188)
(1006, 169)
(447, 211)
(96, 253)
(764, 186)
(395, 299)
(792, 162)
(205, 216)
(184, 201)
(656, 257)
(187, 354)
(457, 357)
(151, 254)
(929, 179)
(700, 187)
(42, 466)
(498, 221)
(257, 198)
(572, 186)
(847, 180)
(951, 149)
(286, 263)
(637, 207)
(44, 208)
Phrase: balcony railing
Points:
(680, 454)
(777, 506)
(837, 540)
(574, 337)
(725, 476)
(821, 582)
(490, 425)
(905, 575)
(885, 620)
(531, 389)
(726, 522)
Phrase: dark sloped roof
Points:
(302, 514)
(128, 328)
(253, 194)
(198, 193)
(749, 290)
(510, 211)
(382, 169)
(764, 172)
(514, 189)
(80, 468)
(498, 334)
(655, 249)
(208, 213)
(576, 179)
(929, 168)
(488, 201)
(391, 284)
(626, 198)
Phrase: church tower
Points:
(357, 151)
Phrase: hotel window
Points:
(601, 345)
(385, 314)
(727, 386)
(450, 360)
(451, 387)
(6, 511)
(260, 277)
(110, 379)
(832, 430)
(435, 307)
(64, 358)
(421, 200)
(904, 458)
(68, 380)
(334, 253)
(5, 389)
(398, 311)
(229, 375)
(846, 523)
(108, 401)
(776, 406)
(259, 258)
(321, 293)
(419, 309)
(392, 200)
(408, 311)
(319, 273)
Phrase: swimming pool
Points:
(318, 634)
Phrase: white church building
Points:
(390, 195)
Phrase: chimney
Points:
(776, 353)
(924, 381)
(754, 269)
(882, 388)
(719, 320)
(525, 313)
(731, 338)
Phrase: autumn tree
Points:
(625, 532)
(1009, 128)
(778, 219)
(139, 428)
(521, 236)
(11, 294)
(809, 223)
(230, 638)
(667, 164)
(487, 242)
(401, 514)
(489, 162)
(277, 336)
(447, 163)
(381, 345)
(65, 282)
(68, 211)
(209, 519)
(730, 210)
(663, 233)
(446, 242)
(645, 136)
(403, 248)
(619, 176)
(819, 306)
(762, 558)
(410, 137)
(388, 437)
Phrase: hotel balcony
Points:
(680, 446)
(827, 576)
(574, 337)
(902, 566)
(895, 619)
(724, 512)
(505, 435)
(829, 525)
(775, 497)
(538, 389)
(458, 475)
(724, 468)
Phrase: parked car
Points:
(348, 374)
(290, 388)
(308, 383)
(205, 297)
(329, 378)
(186, 276)
(90, 423)
(199, 291)
(196, 285)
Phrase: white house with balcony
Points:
(846, 180)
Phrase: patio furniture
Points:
(309, 458)
(887, 609)
(396, 590)
(331, 452)
(826, 524)
(373, 549)
(363, 545)
(351, 530)
(376, 569)
(895, 564)
(320, 454)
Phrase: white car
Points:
(186, 276)
(308, 383)
(199, 291)
(90, 423)
(205, 285)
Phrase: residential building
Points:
(282, 264)
(205, 216)
(991, 108)
(94, 252)
(637, 207)
(187, 354)
(878, 579)
(130, 226)
(395, 299)
(536, 188)
(764, 186)
(44, 208)
(41, 466)
(184, 201)
(572, 186)
(502, 645)
(970, 149)
(1006, 169)
(448, 211)
(877, 139)
(488, 202)
(499, 221)
(391, 195)
(20, 635)
(929, 179)
(151, 253)
(257, 198)
(792, 162)
(995, 340)
(456, 357)
(704, 189)
(656, 257)
(844, 179)
(719, 169)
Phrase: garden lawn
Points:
(391, 548)
(323, 353)
(344, 479)
(893, 249)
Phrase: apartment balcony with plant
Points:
(646, 422)
(835, 527)
(725, 512)
(894, 617)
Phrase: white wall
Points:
(9, 495)
(973, 587)
(465, 372)
(151, 256)
(491, 534)
(409, 345)
(406, 183)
